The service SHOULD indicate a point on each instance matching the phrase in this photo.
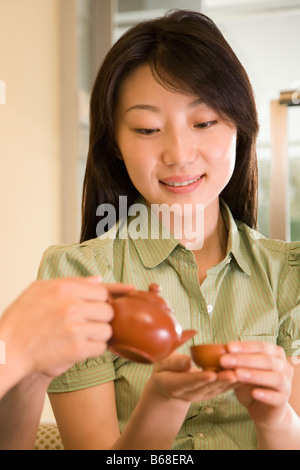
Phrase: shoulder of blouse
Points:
(288, 253)
(90, 258)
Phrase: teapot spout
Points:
(185, 336)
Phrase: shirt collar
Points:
(234, 239)
(154, 243)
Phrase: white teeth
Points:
(183, 183)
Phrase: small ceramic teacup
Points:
(207, 356)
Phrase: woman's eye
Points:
(205, 125)
(146, 131)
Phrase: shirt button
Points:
(209, 411)
(201, 434)
(209, 308)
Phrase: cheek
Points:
(225, 153)
(138, 166)
(137, 156)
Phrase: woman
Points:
(173, 121)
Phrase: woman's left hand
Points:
(264, 380)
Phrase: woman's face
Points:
(176, 149)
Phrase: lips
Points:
(180, 181)
(182, 184)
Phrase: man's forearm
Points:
(8, 379)
(20, 412)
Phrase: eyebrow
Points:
(195, 103)
(156, 109)
(147, 107)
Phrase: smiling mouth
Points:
(181, 183)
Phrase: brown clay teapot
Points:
(144, 327)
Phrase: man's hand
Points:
(55, 323)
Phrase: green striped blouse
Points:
(253, 294)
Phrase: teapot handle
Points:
(156, 288)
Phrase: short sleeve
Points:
(85, 374)
(289, 301)
(92, 258)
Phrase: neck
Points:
(204, 231)
(215, 238)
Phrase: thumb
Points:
(174, 362)
(94, 279)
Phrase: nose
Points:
(178, 149)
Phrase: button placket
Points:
(209, 309)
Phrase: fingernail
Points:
(233, 347)
(95, 279)
(243, 374)
(228, 361)
(260, 394)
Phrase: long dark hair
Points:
(186, 52)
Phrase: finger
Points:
(207, 390)
(119, 289)
(89, 288)
(185, 383)
(174, 362)
(97, 332)
(106, 291)
(268, 379)
(77, 288)
(93, 349)
(253, 347)
(96, 311)
(269, 397)
(254, 360)
(213, 389)
(196, 380)
(94, 279)
(227, 376)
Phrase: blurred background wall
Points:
(30, 140)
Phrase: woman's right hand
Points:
(176, 378)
